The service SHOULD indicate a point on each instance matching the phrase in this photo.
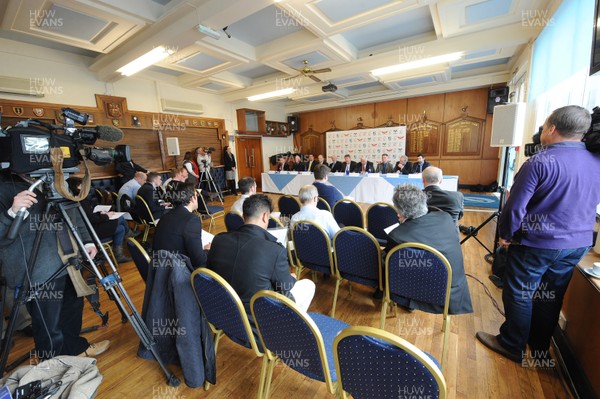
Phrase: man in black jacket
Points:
(364, 166)
(152, 193)
(348, 166)
(251, 259)
(336, 166)
(126, 170)
(452, 202)
(404, 166)
(421, 164)
(180, 230)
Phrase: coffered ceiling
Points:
(270, 42)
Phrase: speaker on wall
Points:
(496, 97)
(172, 146)
(507, 125)
(293, 122)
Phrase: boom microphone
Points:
(106, 133)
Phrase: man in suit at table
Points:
(326, 190)
(251, 259)
(364, 166)
(404, 166)
(320, 161)
(421, 164)
(180, 230)
(335, 165)
(282, 165)
(451, 202)
(384, 166)
(349, 165)
(298, 166)
(311, 163)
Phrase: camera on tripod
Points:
(591, 138)
(25, 147)
(209, 150)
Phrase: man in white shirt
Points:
(247, 188)
(132, 186)
(309, 196)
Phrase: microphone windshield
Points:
(109, 133)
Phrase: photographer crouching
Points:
(56, 310)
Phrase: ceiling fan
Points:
(307, 71)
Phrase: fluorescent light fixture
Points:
(150, 58)
(276, 93)
(425, 62)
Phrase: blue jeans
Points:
(122, 229)
(534, 286)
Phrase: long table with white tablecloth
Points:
(370, 188)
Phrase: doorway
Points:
(249, 153)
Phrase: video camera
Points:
(209, 150)
(591, 138)
(25, 147)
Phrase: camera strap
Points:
(68, 252)
(59, 181)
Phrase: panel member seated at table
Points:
(298, 165)
(364, 166)
(309, 196)
(251, 259)
(310, 164)
(335, 165)
(438, 230)
(452, 202)
(247, 188)
(326, 190)
(282, 164)
(384, 166)
(349, 165)
(421, 164)
(320, 161)
(403, 166)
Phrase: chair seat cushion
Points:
(214, 209)
(329, 328)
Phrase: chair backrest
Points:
(373, 363)
(99, 196)
(349, 213)
(358, 256)
(410, 263)
(288, 205)
(126, 203)
(143, 211)
(233, 220)
(108, 198)
(140, 257)
(289, 333)
(380, 215)
(324, 205)
(202, 205)
(312, 246)
(223, 307)
(275, 223)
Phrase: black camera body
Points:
(25, 147)
(591, 138)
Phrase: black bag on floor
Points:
(499, 266)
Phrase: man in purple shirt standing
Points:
(547, 226)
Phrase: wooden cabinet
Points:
(251, 121)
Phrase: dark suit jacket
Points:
(389, 167)
(310, 165)
(181, 231)
(369, 167)
(128, 169)
(251, 259)
(416, 167)
(229, 161)
(328, 192)
(336, 166)
(298, 167)
(352, 167)
(451, 202)
(406, 169)
(437, 230)
(103, 226)
(151, 196)
(285, 167)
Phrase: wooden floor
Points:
(472, 371)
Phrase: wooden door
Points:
(249, 158)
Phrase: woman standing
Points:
(192, 167)
(230, 169)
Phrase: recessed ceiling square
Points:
(486, 10)
(394, 28)
(266, 25)
(339, 10)
(477, 65)
(253, 72)
(67, 22)
(201, 62)
(214, 86)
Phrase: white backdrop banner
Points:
(370, 143)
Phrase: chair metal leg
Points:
(218, 334)
(146, 232)
(338, 281)
(314, 276)
(108, 249)
(384, 307)
(272, 360)
(445, 329)
(263, 373)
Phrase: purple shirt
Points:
(552, 203)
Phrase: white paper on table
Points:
(390, 228)
(280, 235)
(102, 208)
(276, 215)
(117, 215)
(272, 172)
(415, 175)
(394, 175)
(373, 175)
(354, 174)
(207, 238)
(293, 172)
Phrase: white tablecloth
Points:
(369, 189)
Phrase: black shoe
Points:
(378, 294)
(491, 341)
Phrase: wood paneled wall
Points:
(147, 141)
(479, 167)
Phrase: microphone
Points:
(106, 133)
